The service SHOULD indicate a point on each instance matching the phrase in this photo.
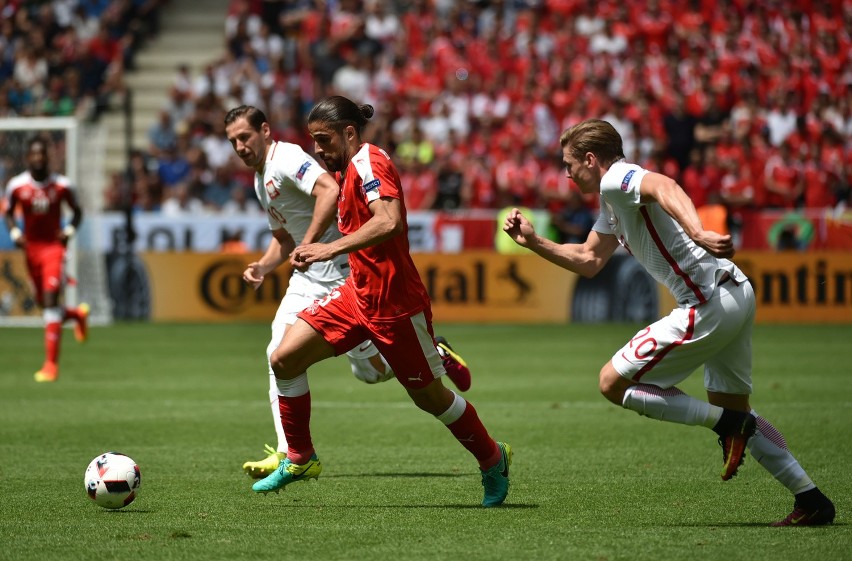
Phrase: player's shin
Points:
(671, 405)
(52, 334)
(276, 415)
(769, 448)
(294, 406)
(463, 421)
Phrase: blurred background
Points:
(747, 103)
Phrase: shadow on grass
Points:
(409, 474)
(116, 512)
(767, 525)
(413, 506)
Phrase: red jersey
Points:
(41, 204)
(383, 276)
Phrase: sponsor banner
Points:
(489, 287)
(210, 287)
(793, 287)
(466, 287)
(800, 287)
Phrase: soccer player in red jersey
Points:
(37, 195)
(383, 300)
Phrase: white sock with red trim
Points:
(769, 448)
(671, 405)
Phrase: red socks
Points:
(295, 419)
(471, 433)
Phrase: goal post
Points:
(77, 151)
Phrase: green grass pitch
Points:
(589, 480)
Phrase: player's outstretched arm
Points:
(77, 217)
(585, 259)
(280, 247)
(325, 191)
(15, 233)
(385, 223)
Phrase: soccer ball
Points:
(112, 480)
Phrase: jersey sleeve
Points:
(297, 167)
(620, 185)
(377, 174)
(604, 222)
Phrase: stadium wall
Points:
(478, 286)
(488, 287)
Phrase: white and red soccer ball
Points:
(112, 480)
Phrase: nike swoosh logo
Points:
(505, 472)
(364, 348)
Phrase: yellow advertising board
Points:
(209, 287)
(800, 287)
(490, 287)
(793, 287)
(811, 287)
(466, 287)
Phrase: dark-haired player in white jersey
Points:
(300, 199)
(650, 215)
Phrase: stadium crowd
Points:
(746, 102)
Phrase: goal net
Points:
(76, 151)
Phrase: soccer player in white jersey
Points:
(300, 199)
(652, 217)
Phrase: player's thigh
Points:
(408, 347)
(301, 347)
(335, 318)
(729, 370)
(301, 293)
(668, 351)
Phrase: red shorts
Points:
(46, 262)
(406, 343)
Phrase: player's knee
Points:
(611, 384)
(283, 365)
(434, 398)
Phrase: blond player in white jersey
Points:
(300, 199)
(652, 217)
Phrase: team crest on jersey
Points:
(301, 173)
(625, 183)
(372, 185)
(271, 190)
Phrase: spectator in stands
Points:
(574, 220)
(517, 72)
(180, 201)
(162, 135)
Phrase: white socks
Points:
(769, 448)
(455, 411)
(670, 405)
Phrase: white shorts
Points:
(716, 334)
(301, 293)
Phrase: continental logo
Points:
(807, 282)
(478, 283)
(222, 288)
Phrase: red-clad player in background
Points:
(37, 195)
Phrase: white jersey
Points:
(284, 191)
(656, 239)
